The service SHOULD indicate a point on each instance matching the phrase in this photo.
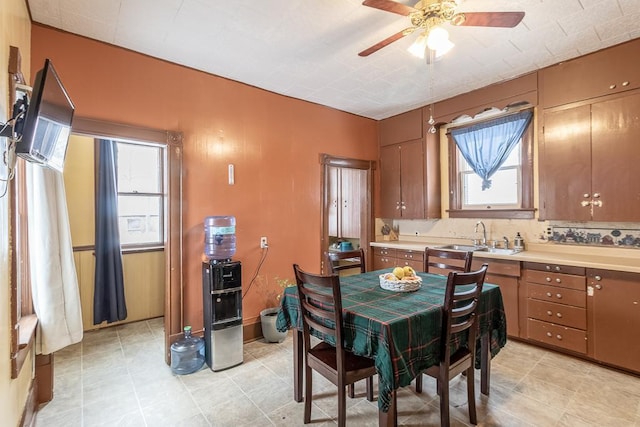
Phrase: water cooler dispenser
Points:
(222, 296)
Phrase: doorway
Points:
(346, 207)
(168, 253)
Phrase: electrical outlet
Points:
(263, 242)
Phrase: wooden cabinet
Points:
(391, 257)
(505, 274)
(556, 312)
(403, 127)
(402, 180)
(601, 73)
(586, 153)
(346, 191)
(614, 317)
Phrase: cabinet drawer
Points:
(416, 265)
(404, 254)
(566, 315)
(385, 252)
(556, 268)
(557, 335)
(568, 281)
(497, 266)
(557, 294)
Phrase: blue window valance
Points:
(486, 146)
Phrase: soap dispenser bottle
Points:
(518, 242)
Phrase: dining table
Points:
(399, 330)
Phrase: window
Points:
(140, 194)
(510, 194)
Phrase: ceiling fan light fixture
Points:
(438, 38)
(419, 46)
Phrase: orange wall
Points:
(273, 141)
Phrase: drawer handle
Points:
(559, 337)
(598, 287)
(557, 268)
(558, 280)
(548, 279)
(559, 296)
(549, 334)
(559, 315)
(549, 312)
(549, 294)
(612, 86)
(548, 267)
(625, 83)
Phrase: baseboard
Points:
(28, 414)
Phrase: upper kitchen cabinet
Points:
(588, 161)
(409, 168)
(403, 127)
(347, 197)
(601, 73)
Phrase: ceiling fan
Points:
(429, 15)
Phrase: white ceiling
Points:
(308, 49)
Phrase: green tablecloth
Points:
(401, 331)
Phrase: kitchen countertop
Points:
(606, 258)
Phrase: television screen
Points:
(47, 124)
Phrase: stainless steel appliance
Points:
(222, 297)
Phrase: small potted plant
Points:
(268, 315)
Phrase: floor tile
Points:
(117, 376)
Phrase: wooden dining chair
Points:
(355, 258)
(443, 261)
(460, 326)
(321, 311)
(355, 264)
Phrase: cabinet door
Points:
(390, 181)
(615, 317)
(412, 181)
(333, 201)
(615, 152)
(352, 191)
(505, 274)
(565, 164)
(602, 73)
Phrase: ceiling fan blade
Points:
(389, 6)
(397, 36)
(491, 19)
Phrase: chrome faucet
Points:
(484, 232)
(506, 242)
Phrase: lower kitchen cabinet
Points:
(614, 317)
(391, 257)
(505, 274)
(556, 313)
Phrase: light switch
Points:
(231, 175)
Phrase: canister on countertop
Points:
(518, 243)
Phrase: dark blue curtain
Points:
(486, 146)
(108, 301)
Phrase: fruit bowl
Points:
(390, 282)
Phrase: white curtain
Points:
(54, 284)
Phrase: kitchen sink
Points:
(502, 251)
(473, 248)
(463, 247)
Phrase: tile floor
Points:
(117, 377)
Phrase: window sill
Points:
(493, 213)
(26, 332)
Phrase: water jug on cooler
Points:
(219, 237)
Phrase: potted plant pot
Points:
(268, 318)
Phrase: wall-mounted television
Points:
(47, 123)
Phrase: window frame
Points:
(526, 209)
(161, 195)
